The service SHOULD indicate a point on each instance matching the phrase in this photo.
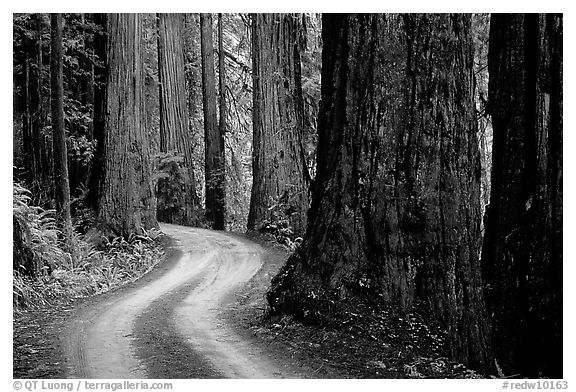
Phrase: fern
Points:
(81, 269)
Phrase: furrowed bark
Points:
(395, 214)
(126, 204)
(280, 175)
(175, 136)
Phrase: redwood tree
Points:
(61, 185)
(214, 164)
(395, 214)
(175, 134)
(522, 252)
(280, 174)
(99, 113)
(126, 204)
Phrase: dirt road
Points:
(176, 320)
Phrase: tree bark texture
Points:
(193, 69)
(127, 203)
(214, 163)
(175, 134)
(60, 156)
(280, 174)
(522, 252)
(395, 214)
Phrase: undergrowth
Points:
(373, 342)
(278, 227)
(49, 267)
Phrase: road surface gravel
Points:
(191, 298)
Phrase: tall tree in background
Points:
(221, 77)
(36, 147)
(126, 202)
(395, 215)
(79, 97)
(213, 139)
(87, 66)
(280, 173)
(62, 187)
(522, 253)
(174, 120)
(99, 113)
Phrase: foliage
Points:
(171, 183)
(78, 71)
(367, 341)
(311, 71)
(481, 27)
(278, 226)
(39, 233)
(83, 270)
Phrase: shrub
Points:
(35, 236)
(47, 270)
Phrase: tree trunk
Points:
(27, 145)
(60, 156)
(127, 203)
(395, 214)
(213, 139)
(193, 69)
(99, 115)
(522, 253)
(280, 174)
(33, 141)
(87, 78)
(174, 120)
(221, 77)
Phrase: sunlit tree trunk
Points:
(280, 174)
(174, 120)
(126, 203)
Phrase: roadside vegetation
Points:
(50, 267)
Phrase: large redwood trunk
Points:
(522, 253)
(126, 203)
(395, 215)
(280, 174)
(175, 136)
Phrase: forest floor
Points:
(223, 329)
(365, 343)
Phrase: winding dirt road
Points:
(174, 324)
